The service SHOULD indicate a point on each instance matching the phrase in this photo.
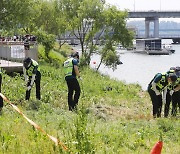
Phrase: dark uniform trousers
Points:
(156, 102)
(167, 104)
(73, 86)
(1, 99)
(37, 82)
(175, 102)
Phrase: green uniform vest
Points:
(30, 71)
(161, 84)
(68, 67)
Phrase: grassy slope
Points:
(108, 121)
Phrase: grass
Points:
(112, 117)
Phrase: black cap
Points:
(173, 68)
(173, 77)
(76, 54)
(27, 62)
(177, 68)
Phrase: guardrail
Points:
(15, 51)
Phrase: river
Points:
(139, 68)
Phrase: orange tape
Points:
(55, 140)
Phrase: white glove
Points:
(164, 100)
(29, 88)
(171, 92)
(26, 79)
(157, 92)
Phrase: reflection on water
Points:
(140, 68)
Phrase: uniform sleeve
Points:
(35, 70)
(75, 62)
(157, 78)
(25, 74)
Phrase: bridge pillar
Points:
(156, 27)
(155, 20)
(147, 22)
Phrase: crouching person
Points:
(155, 88)
(175, 96)
(31, 74)
(173, 93)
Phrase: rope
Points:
(55, 140)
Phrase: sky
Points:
(147, 5)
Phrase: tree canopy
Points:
(97, 26)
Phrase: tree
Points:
(14, 12)
(115, 32)
(51, 19)
(47, 40)
(91, 21)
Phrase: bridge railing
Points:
(15, 51)
(160, 36)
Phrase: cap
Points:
(27, 62)
(173, 77)
(177, 68)
(173, 68)
(76, 54)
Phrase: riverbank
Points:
(140, 68)
(113, 117)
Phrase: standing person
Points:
(1, 99)
(31, 74)
(71, 72)
(155, 88)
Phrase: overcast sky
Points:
(139, 5)
(146, 4)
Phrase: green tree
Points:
(92, 22)
(15, 12)
(47, 40)
(61, 27)
(51, 19)
(115, 32)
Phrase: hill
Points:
(112, 117)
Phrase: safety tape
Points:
(55, 140)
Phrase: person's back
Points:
(71, 71)
(159, 82)
(69, 68)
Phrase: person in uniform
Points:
(155, 89)
(31, 74)
(71, 72)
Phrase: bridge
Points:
(153, 16)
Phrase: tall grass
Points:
(112, 117)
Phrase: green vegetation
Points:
(113, 117)
(91, 22)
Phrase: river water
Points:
(139, 68)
